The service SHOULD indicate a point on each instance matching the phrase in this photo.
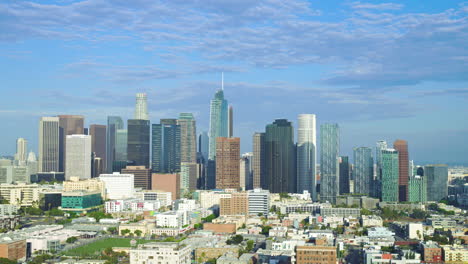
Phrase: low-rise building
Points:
(432, 252)
(157, 253)
(455, 254)
(12, 248)
(20, 194)
(8, 209)
(371, 221)
(90, 185)
(81, 201)
(343, 212)
(310, 253)
(441, 222)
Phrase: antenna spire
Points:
(222, 81)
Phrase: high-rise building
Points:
(188, 138)
(377, 184)
(258, 161)
(363, 171)
(188, 177)
(280, 157)
(69, 125)
(141, 107)
(166, 146)
(227, 163)
(417, 189)
(114, 123)
(437, 180)
(329, 158)
(390, 172)
(259, 201)
(49, 137)
(120, 147)
(402, 147)
(98, 142)
(78, 156)
(138, 142)
(142, 176)
(345, 174)
(244, 172)
(231, 121)
(218, 121)
(203, 144)
(306, 154)
(21, 151)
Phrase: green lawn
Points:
(95, 248)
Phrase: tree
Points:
(71, 240)
(418, 214)
(124, 232)
(235, 240)
(138, 232)
(364, 211)
(98, 215)
(55, 212)
(112, 230)
(266, 229)
(7, 261)
(250, 245)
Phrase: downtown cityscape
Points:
(338, 135)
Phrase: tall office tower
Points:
(21, 151)
(69, 125)
(141, 107)
(142, 175)
(78, 156)
(377, 184)
(98, 143)
(138, 144)
(402, 147)
(227, 163)
(244, 173)
(437, 180)
(218, 121)
(32, 163)
(417, 189)
(248, 170)
(345, 174)
(329, 154)
(49, 142)
(166, 147)
(114, 123)
(306, 154)
(120, 146)
(280, 157)
(203, 144)
(231, 121)
(363, 173)
(390, 172)
(258, 161)
(188, 138)
(188, 177)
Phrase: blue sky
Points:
(381, 70)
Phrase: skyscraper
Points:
(69, 125)
(227, 163)
(345, 174)
(377, 184)
(114, 123)
(138, 143)
(390, 172)
(166, 146)
(417, 189)
(98, 143)
(306, 154)
(141, 107)
(121, 145)
(437, 180)
(21, 151)
(231, 122)
(188, 138)
(402, 147)
(363, 172)
(78, 156)
(188, 177)
(280, 157)
(203, 144)
(258, 161)
(329, 154)
(49, 137)
(218, 121)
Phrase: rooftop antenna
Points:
(222, 81)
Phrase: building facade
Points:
(437, 180)
(363, 172)
(403, 169)
(390, 172)
(329, 167)
(68, 125)
(141, 107)
(138, 142)
(49, 138)
(227, 163)
(306, 154)
(142, 176)
(188, 137)
(98, 135)
(78, 156)
(258, 161)
(118, 186)
(218, 121)
(114, 123)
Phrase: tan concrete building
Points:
(20, 194)
(13, 249)
(432, 252)
(220, 228)
(68, 125)
(315, 254)
(91, 185)
(234, 204)
(456, 254)
(142, 176)
(166, 182)
(227, 163)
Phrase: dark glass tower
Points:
(113, 124)
(166, 146)
(280, 157)
(363, 172)
(329, 168)
(344, 175)
(138, 142)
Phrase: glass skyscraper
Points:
(306, 154)
(218, 121)
(363, 172)
(121, 145)
(418, 189)
(138, 143)
(329, 154)
(188, 138)
(166, 146)
(390, 185)
(437, 179)
(280, 157)
(345, 174)
(113, 124)
(141, 107)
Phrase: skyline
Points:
(92, 64)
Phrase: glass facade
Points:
(363, 172)
(218, 121)
(138, 142)
(437, 178)
(344, 175)
(418, 189)
(306, 154)
(113, 124)
(389, 175)
(329, 168)
(166, 147)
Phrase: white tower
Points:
(21, 151)
(306, 154)
(48, 144)
(78, 157)
(141, 107)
